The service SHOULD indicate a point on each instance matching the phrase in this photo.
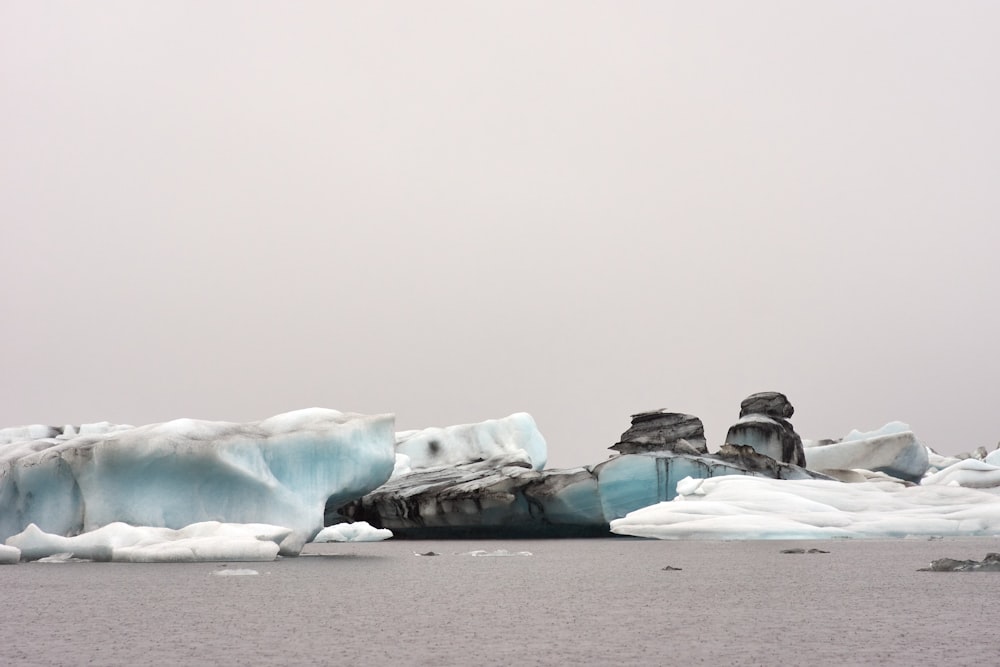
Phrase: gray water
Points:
(593, 602)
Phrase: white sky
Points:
(454, 211)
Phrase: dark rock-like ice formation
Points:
(499, 497)
(768, 403)
(989, 564)
(660, 430)
(763, 425)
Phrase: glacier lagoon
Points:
(594, 601)
(624, 599)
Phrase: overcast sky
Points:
(455, 211)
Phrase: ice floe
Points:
(359, 531)
(205, 541)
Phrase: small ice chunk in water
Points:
(359, 531)
(498, 552)
(239, 572)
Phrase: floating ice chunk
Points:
(736, 507)
(236, 573)
(9, 554)
(359, 531)
(206, 541)
(498, 552)
(467, 443)
(279, 471)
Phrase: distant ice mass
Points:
(278, 471)
(359, 531)
(205, 541)
(756, 508)
(892, 449)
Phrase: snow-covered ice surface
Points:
(516, 435)
(970, 473)
(359, 531)
(120, 542)
(277, 471)
(754, 508)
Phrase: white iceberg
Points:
(359, 531)
(892, 449)
(736, 508)
(205, 541)
(278, 471)
(468, 443)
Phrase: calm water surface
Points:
(593, 602)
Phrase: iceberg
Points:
(359, 531)
(755, 508)
(892, 449)
(279, 471)
(764, 427)
(205, 541)
(508, 496)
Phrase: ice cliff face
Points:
(278, 471)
